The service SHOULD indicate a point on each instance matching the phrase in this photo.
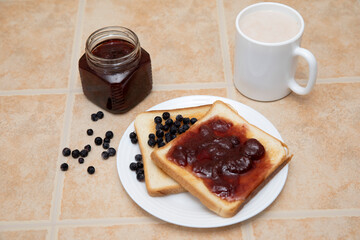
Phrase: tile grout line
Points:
(247, 231)
(188, 86)
(224, 44)
(59, 176)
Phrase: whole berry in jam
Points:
(98, 141)
(166, 115)
(138, 157)
(89, 132)
(109, 134)
(66, 152)
(64, 167)
(100, 114)
(91, 170)
(186, 120)
(193, 120)
(161, 144)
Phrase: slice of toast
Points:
(157, 182)
(206, 184)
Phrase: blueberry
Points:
(138, 157)
(88, 147)
(166, 115)
(105, 155)
(139, 170)
(157, 119)
(186, 126)
(81, 160)
(109, 134)
(186, 120)
(111, 152)
(133, 166)
(139, 165)
(173, 136)
(98, 141)
(100, 114)
(91, 170)
(90, 132)
(169, 122)
(151, 142)
(181, 130)
(193, 120)
(151, 135)
(166, 127)
(159, 126)
(94, 117)
(177, 123)
(66, 152)
(134, 140)
(161, 144)
(168, 137)
(173, 129)
(106, 140)
(132, 135)
(179, 117)
(64, 167)
(84, 153)
(159, 140)
(159, 133)
(106, 145)
(75, 153)
(140, 177)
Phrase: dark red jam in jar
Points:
(230, 164)
(115, 71)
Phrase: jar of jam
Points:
(115, 71)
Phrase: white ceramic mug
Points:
(265, 71)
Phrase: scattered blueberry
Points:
(140, 177)
(133, 166)
(88, 147)
(106, 145)
(159, 126)
(98, 141)
(169, 122)
(181, 130)
(84, 153)
(105, 155)
(134, 140)
(159, 133)
(157, 119)
(90, 132)
(186, 126)
(166, 115)
(100, 114)
(161, 144)
(139, 165)
(152, 142)
(81, 160)
(151, 135)
(166, 127)
(75, 153)
(177, 123)
(107, 140)
(91, 170)
(193, 120)
(64, 167)
(168, 137)
(186, 120)
(173, 129)
(139, 170)
(138, 157)
(66, 152)
(94, 117)
(179, 117)
(111, 152)
(132, 135)
(109, 134)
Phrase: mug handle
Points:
(309, 57)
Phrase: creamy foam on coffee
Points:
(269, 26)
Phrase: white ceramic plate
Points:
(184, 209)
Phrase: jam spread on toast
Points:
(230, 164)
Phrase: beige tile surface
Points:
(101, 195)
(150, 231)
(36, 43)
(331, 34)
(309, 229)
(24, 235)
(31, 128)
(320, 130)
(182, 37)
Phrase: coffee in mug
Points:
(267, 45)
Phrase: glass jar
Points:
(115, 71)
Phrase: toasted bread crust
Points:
(157, 182)
(277, 151)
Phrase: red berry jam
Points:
(115, 71)
(230, 164)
